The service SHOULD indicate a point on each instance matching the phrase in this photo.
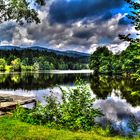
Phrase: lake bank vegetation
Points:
(126, 63)
(101, 85)
(35, 60)
(74, 112)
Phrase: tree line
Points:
(35, 60)
(103, 61)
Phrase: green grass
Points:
(11, 129)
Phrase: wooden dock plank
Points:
(21, 100)
(1, 113)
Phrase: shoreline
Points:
(86, 71)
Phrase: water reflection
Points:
(126, 88)
(36, 81)
(118, 97)
(102, 86)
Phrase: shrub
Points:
(77, 110)
(74, 112)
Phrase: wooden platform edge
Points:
(14, 104)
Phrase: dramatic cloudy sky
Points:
(80, 25)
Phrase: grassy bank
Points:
(11, 129)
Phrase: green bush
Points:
(77, 107)
(74, 112)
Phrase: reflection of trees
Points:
(103, 86)
(36, 75)
(33, 81)
(131, 91)
(3, 77)
(15, 78)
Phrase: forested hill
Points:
(39, 48)
(14, 58)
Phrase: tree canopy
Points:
(134, 16)
(102, 61)
(20, 10)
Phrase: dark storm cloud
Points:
(6, 31)
(62, 11)
(89, 26)
(83, 34)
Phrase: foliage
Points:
(35, 60)
(134, 16)
(102, 86)
(20, 10)
(26, 68)
(2, 64)
(77, 108)
(102, 61)
(8, 68)
(74, 112)
(16, 64)
(36, 66)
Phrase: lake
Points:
(117, 97)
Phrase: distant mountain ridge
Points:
(9, 47)
(39, 48)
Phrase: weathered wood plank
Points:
(5, 99)
(1, 113)
(21, 100)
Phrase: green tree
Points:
(25, 62)
(129, 59)
(62, 65)
(128, 66)
(2, 64)
(101, 61)
(20, 10)
(134, 16)
(16, 64)
(36, 66)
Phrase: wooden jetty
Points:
(11, 101)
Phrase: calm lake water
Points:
(118, 97)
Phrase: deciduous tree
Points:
(20, 10)
(134, 16)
